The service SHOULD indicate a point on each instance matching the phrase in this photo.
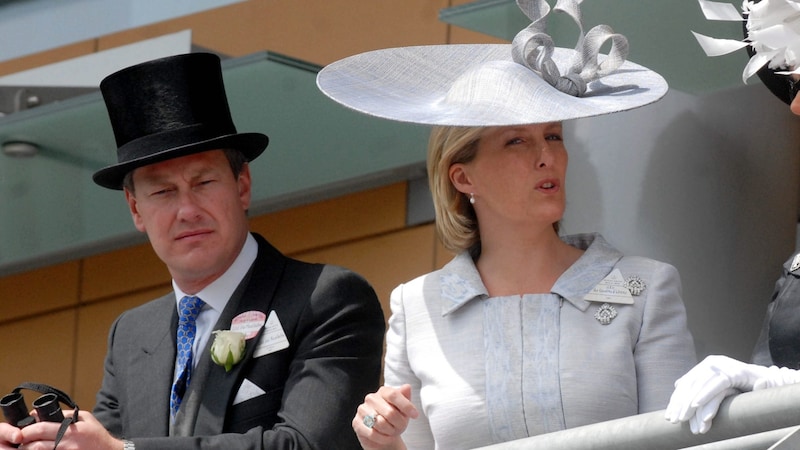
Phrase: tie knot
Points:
(189, 307)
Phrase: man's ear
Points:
(133, 206)
(245, 186)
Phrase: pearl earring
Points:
(471, 198)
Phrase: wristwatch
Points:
(128, 445)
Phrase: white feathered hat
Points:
(771, 37)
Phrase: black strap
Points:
(62, 397)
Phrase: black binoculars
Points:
(16, 412)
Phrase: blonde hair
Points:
(456, 222)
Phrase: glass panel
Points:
(50, 210)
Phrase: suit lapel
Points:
(255, 293)
(154, 370)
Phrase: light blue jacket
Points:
(487, 370)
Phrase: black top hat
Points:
(167, 108)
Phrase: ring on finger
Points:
(370, 419)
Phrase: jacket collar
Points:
(461, 283)
(255, 293)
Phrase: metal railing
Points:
(752, 420)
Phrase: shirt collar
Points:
(217, 294)
(461, 282)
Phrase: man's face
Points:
(194, 213)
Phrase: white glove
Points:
(698, 394)
(777, 376)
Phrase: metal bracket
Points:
(19, 98)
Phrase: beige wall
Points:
(54, 320)
(311, 30)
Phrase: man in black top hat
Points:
(307, 338)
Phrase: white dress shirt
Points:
(217, 294)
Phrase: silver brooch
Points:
(635, 285)
(605, 314)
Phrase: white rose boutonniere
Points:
(227, 348)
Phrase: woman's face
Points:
(517, 175)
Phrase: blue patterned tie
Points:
(188, 309)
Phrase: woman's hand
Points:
(383, 417)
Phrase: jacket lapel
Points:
(255, 293)
(154, 368)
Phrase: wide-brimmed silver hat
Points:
(528, 81)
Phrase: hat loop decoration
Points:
(773, 33)
(533, 48)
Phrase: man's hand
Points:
(10, 436)
(86, 433)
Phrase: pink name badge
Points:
(249, 323)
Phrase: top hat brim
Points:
(250, 144)
(476, 85)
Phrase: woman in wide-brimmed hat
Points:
(524, 331)
(772, 39)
